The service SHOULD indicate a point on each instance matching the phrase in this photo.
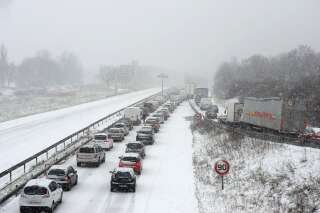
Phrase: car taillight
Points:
(137, 164)
(66, 178)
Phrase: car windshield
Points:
(130, 159)
(151, 121)
(119, 175)
(115, 130)
(134, 145)
(35, 190)
(145, 131)
(100, 137)
(57, 172)
(86, 150)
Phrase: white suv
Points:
(104, 140)
(40, 194)
(91, 154)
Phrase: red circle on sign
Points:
(222, 167)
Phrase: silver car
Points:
(91, 154)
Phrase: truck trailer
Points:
(281, 115)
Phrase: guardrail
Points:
(255, 134)
(14, 178)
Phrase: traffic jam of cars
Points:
(46, 192)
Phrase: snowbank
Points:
(264, 176)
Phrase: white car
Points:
(104, 140)
(40, 194)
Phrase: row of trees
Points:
(41, 70)
(295, 73)
(130, 75)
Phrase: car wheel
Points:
(68, 187)
(112, 189)
(78, 164)
(50, 210)
(134, 188)
(60, 201)
(76, 182)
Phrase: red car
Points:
(131, 160)
(310, 135)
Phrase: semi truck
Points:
(234, 112)
(281, 115)
(200, 92)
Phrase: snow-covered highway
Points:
(21, 138)
(166, 183)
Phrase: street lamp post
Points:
(162, 76)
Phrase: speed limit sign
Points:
(222, 167)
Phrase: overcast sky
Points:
(185, 35)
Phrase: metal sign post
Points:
(222, 168)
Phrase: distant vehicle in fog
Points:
(122, 126)
(205, 103)
(117, 134)
(202, 92)
(134, 114)
(210, 114)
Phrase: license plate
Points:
(34, 202)
(123, 186)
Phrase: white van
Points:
(134, 114)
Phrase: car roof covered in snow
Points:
(134, 155)
(123, 169)
(39, 182)
(62, 167)
(101, 133)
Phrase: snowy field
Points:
(166, 184)
(264, 176)
(23, 137)
(14, 106)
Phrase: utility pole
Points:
(162, 76)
